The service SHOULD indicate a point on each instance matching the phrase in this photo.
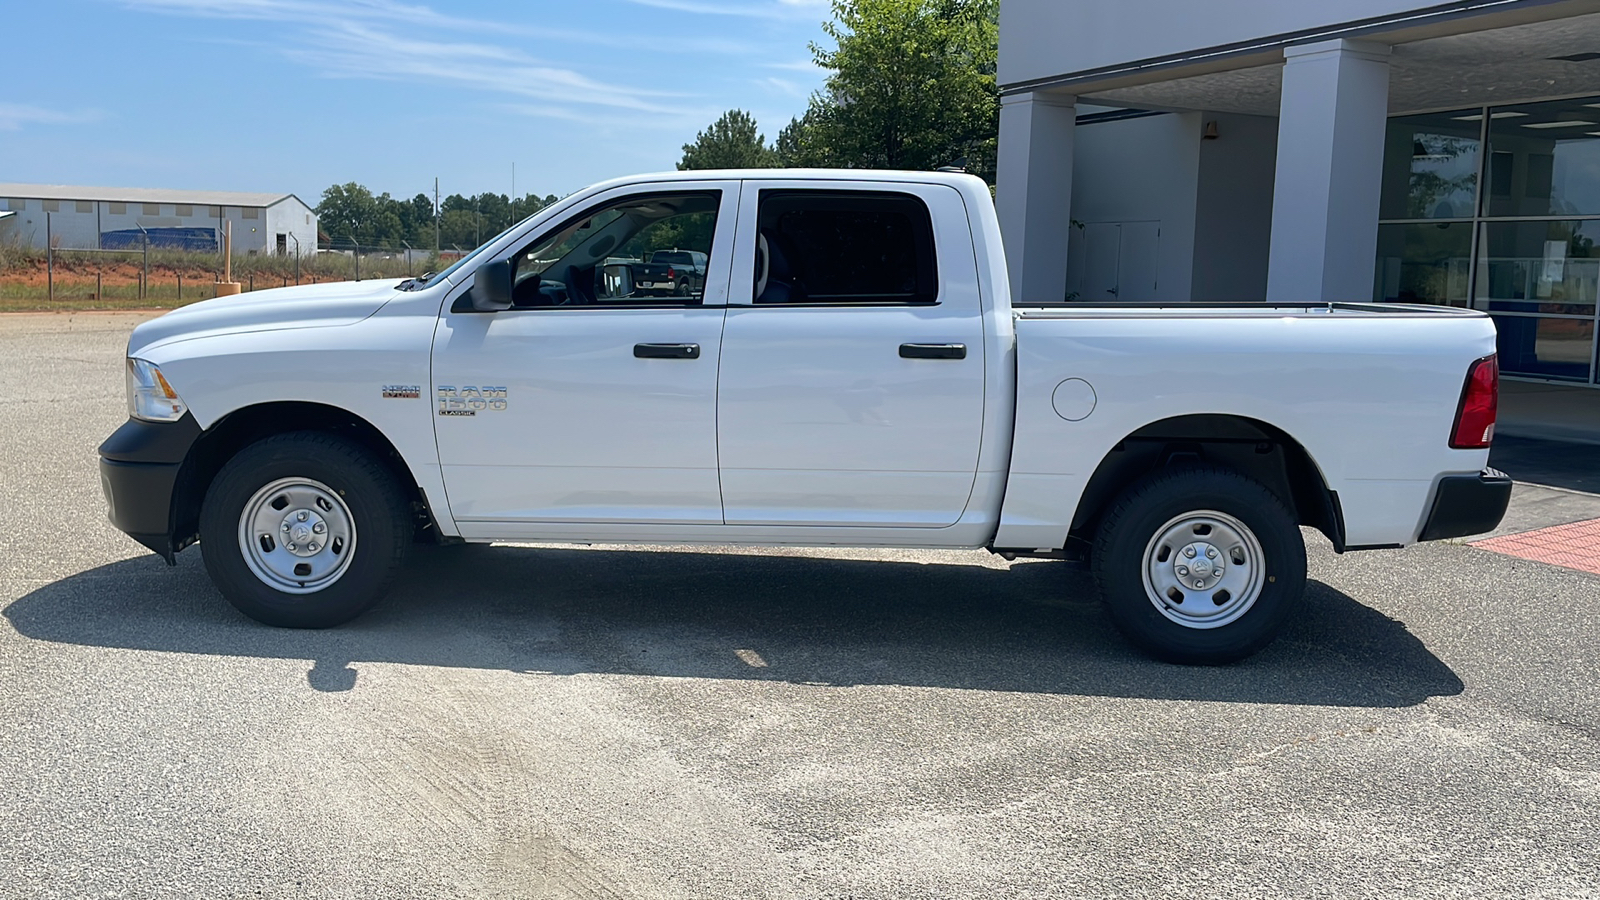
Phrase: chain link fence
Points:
(153, 277)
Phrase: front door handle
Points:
(666, 351)
(933, 351)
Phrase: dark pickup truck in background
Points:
(671, 273)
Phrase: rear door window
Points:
(850, 247)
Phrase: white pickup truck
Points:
(855, 373)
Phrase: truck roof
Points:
(953, 179)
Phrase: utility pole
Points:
(436, 215)
(513, 193)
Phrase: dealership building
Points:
(1441, 153)
(91, 218)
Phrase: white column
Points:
(1033, 192)
(1330, 169)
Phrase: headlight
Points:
(150, 397)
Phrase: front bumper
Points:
(139, 468)
(1467, 505)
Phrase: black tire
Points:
(367, 488)
(683, 289)
(1144, 512)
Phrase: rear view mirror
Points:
(491, 286)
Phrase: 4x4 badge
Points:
(470, 400)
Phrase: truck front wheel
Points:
(303, 530)
(1199, 565)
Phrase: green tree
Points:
(346, 211)
(351, 212)
(912, 85)
(418, 219)
(732, 142)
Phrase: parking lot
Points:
(624, 722)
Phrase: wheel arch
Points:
(246, 425)
(1252, 447)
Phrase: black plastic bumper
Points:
(1467, 505)
(139, 467)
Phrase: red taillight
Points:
(1480, 402)
(671, 273)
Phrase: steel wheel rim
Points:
(1203, 569)
(303, 514)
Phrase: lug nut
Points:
(286, 526)
(1211, 552)
(1189, 552)
(291, 546)
(1183, 570)
(303, 515)
(319, 528)
(312, 547)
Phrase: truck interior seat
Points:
(776, 282)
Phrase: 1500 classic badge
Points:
(470, 400)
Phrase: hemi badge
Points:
(402, 392)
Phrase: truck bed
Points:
(1343, 379)
(1235, 309)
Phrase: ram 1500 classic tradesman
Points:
(856, 373)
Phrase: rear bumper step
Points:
(1468, 504)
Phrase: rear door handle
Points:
(933, 351)
(666, 351)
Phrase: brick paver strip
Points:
(1574, 546)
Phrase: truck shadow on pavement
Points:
(1037, 628)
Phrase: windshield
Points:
(470, 257)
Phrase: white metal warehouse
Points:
(87, 218)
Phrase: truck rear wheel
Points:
(303, 530)
(1199, 565)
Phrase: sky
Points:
(296, 95)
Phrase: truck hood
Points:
(305, 306)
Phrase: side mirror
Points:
(614, 282)
(491, 286)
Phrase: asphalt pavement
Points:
(624, 722)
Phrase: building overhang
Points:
(1466, 54)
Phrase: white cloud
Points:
(758, 9)
(784, 86)
(803, 65)
(359, 39)
(14, 116)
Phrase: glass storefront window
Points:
(1540, 267)
(1425, 263)
(1546, 347)
(1544, 159)
(1508, 225)
(1430, 166)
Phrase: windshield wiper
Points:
(411, 284)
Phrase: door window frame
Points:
(933, 195)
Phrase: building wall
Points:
(1233, 225)
(1046, 38)
(291, 217)
(1138, 171)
